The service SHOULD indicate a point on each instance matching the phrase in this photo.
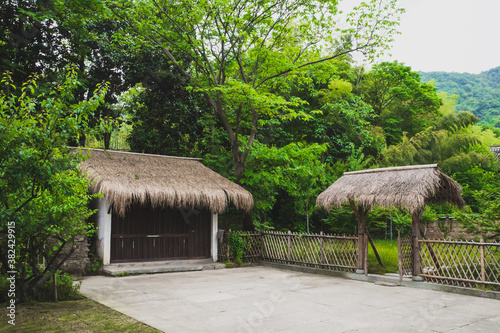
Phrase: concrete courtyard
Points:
(264, 299)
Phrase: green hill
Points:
(479, 93)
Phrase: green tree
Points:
(168, 119)
(41, 191)
(295, 169)
(455, 143)
(401, 101)
(45, 36)
(444, 142)
(333, 115)
(485, 220)
(478, 93)
(239, 51)
(32, 40)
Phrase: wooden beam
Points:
(360, 213)
(409, 167)
(374, 248)
(415, 234)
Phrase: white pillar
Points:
(104, 231)
(214, 241)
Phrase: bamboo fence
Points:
(405, 257)
(461, 263)
(251, 247)
(334, 252)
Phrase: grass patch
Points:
(230, 264)
(82, 315)
(388, 251)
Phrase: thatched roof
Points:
(160, 181)
(410, 187)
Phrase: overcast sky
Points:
(448, 35)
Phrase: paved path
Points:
(263, 299)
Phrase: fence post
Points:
(481, 251)
(227, 247)
(289, 244)
(400, 258)
(262, 248)
(361, 252)
(415, 235)
(366, 253)
(322, 250)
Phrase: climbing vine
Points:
(238, 245)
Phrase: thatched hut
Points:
(410, 187)
(158, 207)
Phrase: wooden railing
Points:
(461, 263)
(251, 245)
(332, 252)
(405, 257)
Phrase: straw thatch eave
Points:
(410, 187)
(160, 181)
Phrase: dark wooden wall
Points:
(145, 234)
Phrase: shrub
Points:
(67, 289)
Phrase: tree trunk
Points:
(81, 140)
(248, 222)
(107, 140)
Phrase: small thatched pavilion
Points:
(158, 207)
(410, 187)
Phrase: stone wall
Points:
(79, 260)
(446, 227)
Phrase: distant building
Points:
(496, 150)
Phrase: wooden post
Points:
(360, 213)
(227, 247)
(322, 250)
(214, 246)
(481, 251)
(400, 258)
(262, 247)
(366, 254)
(374, 248)
(415, 235)
(361, 250)
(54, 278)
(289, 244)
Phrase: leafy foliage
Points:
(265, 92)
(238, 246)
(242, 51)
(295, 169)
(42, 191)
(478, 93)
(167, 119)
(402, 102)
(485, 221)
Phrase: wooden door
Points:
(145, 234)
